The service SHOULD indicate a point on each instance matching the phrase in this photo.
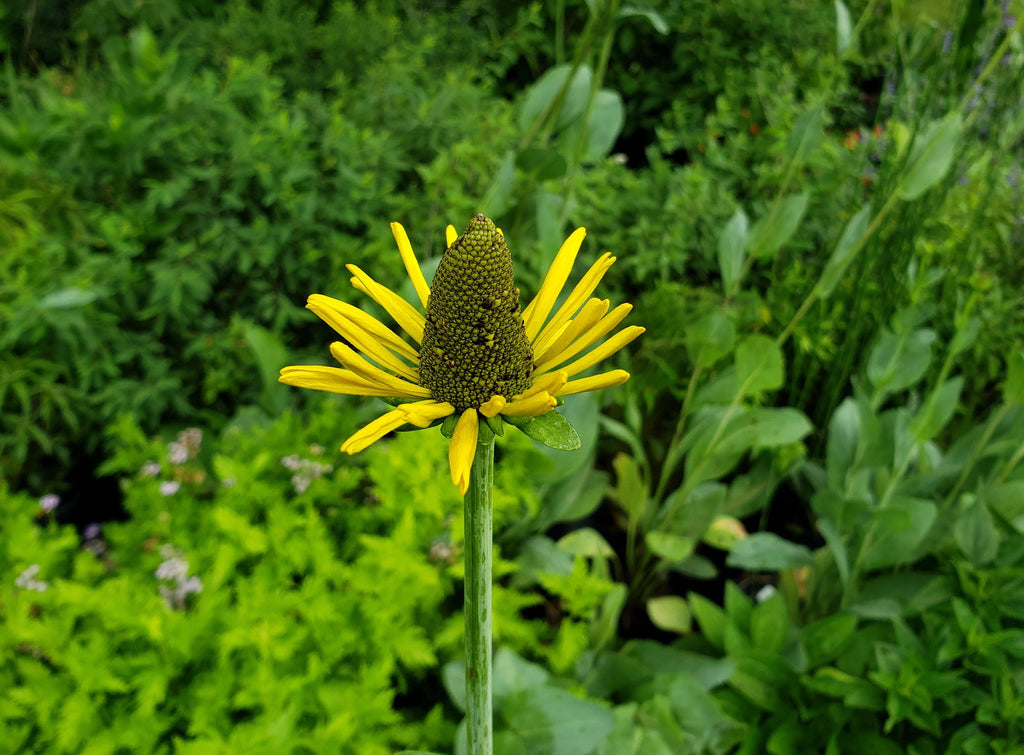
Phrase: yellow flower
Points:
(469, 350)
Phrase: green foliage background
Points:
(796, 529)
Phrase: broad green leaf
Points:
(603, 629)
(670, 546)
(898, 362)
(499, 195)
(724, 533)
(605, 125)
(543, 94)
(709, 338)
(850, 242)
(806, 135)
(770, 427)
(965, 336)
(844, 28)
(766, 551)
(732, 251)
(825, 639)
(900, 527)
(854, 691)
(670, 613)
(759, 365)
(543, 163)
(771, 232)
(1013, 387)
(553, 721)
(937, 410)
(836, 547)
(551, 429)
(769, 625)
(931, 156)
(762, 679)
(975, 533)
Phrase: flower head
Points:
(474, 355)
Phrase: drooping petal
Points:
(337, 380)
(374, 431)
(330, 310)
(463, 449)
(586, 339)
(579, 295)
(450, 234)
(375, 375)
(594, 382)
(412, 267)
(605, 350)
(582, 325)
(539, 403)
(493, 407)
(537, 311)
(403, 312)
(422, 413)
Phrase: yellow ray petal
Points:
(550, 383)
(585, 340)
(463, 449)
(374, 431)
(579, 295)
(594, 382)
(403, 312)
(583, 323)
(371, 347)
(328, 310)
(493, 407)
(375, 375)
(412, 267)
(605, 350)
(537, 311)
(539, 403)
(450, 234)
(422, 413)
(334, 380)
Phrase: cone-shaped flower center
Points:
(474, 341)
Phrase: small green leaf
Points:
(975, 533)
(825, 639)
(850, 242)
(630, 491)
(711, 617)
(655, 18)
(499, 195)
(542, 163)
(769, 624)
(771, 232)
(806, 135)
(843, 441)
(937, 410)
(844, 27)
(900, 528)
(605, 125)
(765, 551)
(670, 613)
(1013, 387)
(586, 541)
(68, 298)
(732, 251)
(759, 365)
(670, 546)
(550, 428)
(931, 156)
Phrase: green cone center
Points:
(474, 341)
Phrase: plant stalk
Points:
(479, 540)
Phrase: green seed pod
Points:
(474, 341)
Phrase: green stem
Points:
(479, 540)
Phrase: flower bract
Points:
(466, 350)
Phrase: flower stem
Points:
(479, 707)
